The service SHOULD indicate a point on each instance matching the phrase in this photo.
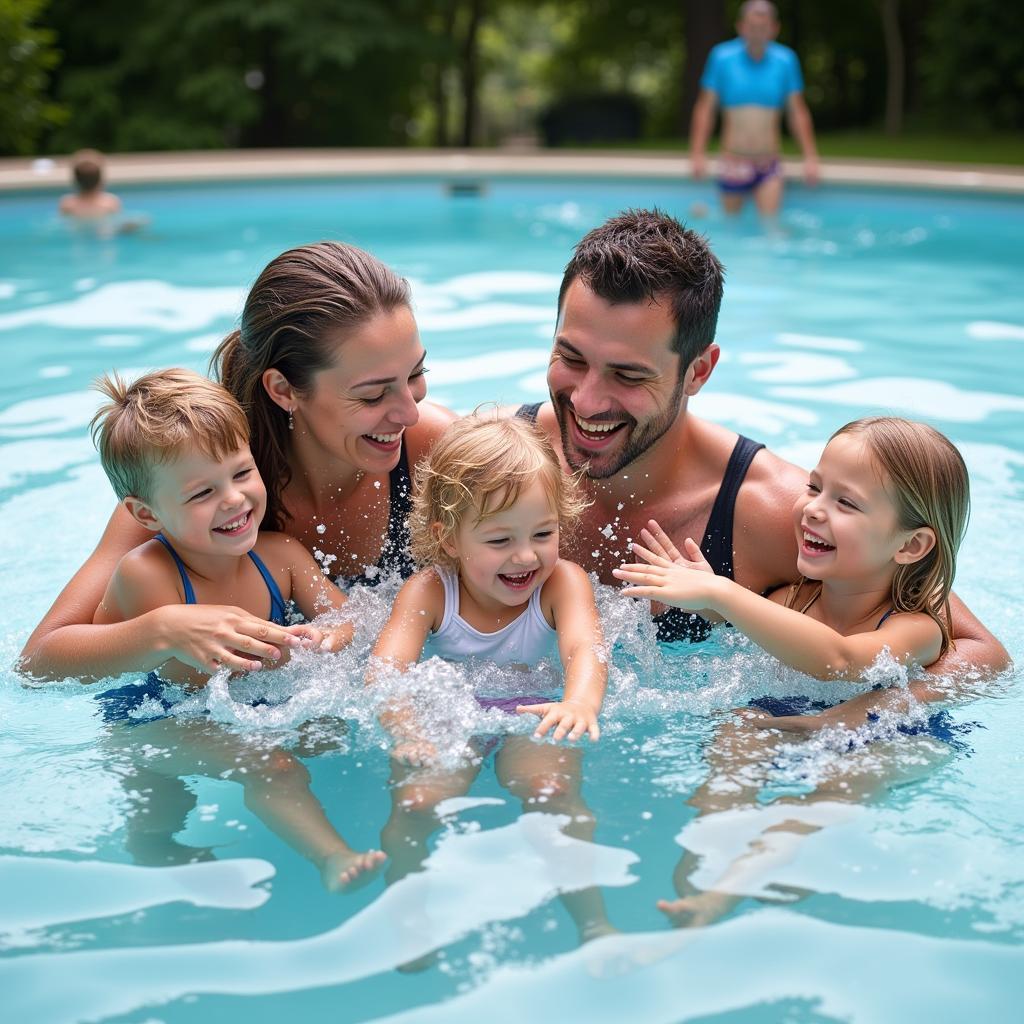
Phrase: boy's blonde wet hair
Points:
(158, 417)
(479, 467)
(927, 480)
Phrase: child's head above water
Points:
(156, 419)
(175, 447)
(87, 170)
(478, 470)
(927, 493)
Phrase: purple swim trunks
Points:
(741, 174)
(509, 704)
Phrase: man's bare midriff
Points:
(750, 131)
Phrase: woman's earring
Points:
(291, 419)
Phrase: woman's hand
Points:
(209, 637)
(569, 718)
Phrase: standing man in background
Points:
(753, 79)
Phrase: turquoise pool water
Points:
(903, 900)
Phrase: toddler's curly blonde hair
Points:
(479, 467)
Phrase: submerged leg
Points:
(276, 786)
(548, 778)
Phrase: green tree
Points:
(27, 56)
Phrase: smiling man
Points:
(635, 341)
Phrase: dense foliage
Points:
(147, 74)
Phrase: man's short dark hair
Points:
(645, 254)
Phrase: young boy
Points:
(175, 446)
(89, 201)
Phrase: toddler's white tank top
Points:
(527, 640)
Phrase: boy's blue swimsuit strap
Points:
(119, 703)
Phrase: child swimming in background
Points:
(90, 207)
(489, 503)
(175, 447)
(89, 201)
(878, 530)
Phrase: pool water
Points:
(898, 895)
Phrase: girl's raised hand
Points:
(683, 581)
(660, 544)
(569, 718)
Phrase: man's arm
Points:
(802, 128)
(974, 647)
(702, 124)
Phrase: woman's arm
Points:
(66, 643)
(313, 593)
(570, 596)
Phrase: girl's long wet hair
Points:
(927, 481)
(296, 315)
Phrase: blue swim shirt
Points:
(739, 80)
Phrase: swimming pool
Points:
(912, 903)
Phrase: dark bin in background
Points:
(595, 117)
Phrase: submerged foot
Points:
(351, 869)
(698, 910)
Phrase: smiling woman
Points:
(328, 366)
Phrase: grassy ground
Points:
(876, 145)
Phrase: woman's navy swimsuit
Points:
(394, 556)
(119, 704)
(716, 545)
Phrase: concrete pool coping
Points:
(18, 174)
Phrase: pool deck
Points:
(240, 165)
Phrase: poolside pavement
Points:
(253, 164)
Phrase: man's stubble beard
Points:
(638, 443)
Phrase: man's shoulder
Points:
(782, 53)
(772, 480)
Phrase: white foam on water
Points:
(41, 892)
(8, 289)
(119, 340)
(488, 366)
(485, 284)
(486, 314)
(797, 367)
(204, 342)
(154, 305)
(672, 976)
(993, 330)
(916, 396)
(750, 414)
(816, 341)
(23, 459)
(472, 878)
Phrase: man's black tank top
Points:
(675, 624)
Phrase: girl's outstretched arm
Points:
(66, 643)
(569, 594)
(417, 610)
(801, 642)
